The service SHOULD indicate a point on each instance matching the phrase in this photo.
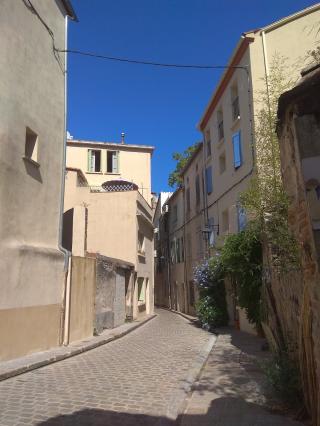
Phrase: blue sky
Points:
(155, 106)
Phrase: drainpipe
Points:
(67, 255)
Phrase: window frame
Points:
(117, 157)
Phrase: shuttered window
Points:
(209, 180)
(197, 191)
(112, 161)
(94, 160)
(242, 218)
(237, 153)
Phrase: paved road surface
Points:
(136, 380)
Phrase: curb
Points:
(182, 314)
(69, 351)
(179, 404)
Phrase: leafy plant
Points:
(284, 376)
(211, 307)
(181, 159)
(241, 257)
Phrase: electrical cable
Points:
(150, 63)
(29, 4)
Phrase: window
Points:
(200, 239)
(211, 232)
(112, 161)
(242, 217)
(209, 179)
(235, 102)
(141, 290)
(94, 160)
(191, 293)
(208, 143)
(189, 246)
(197, 192)
(31, 145)
(178, 251)
(237, 154)
(225, 221)
(182, 249)
(175, 214)
(220, 124)
(173, 252)
(141, 248)
(188, 200)
(222, 162)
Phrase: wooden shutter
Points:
(242, 217)
(115, 162)
(237, 155)
(90, 162)
(209, 180)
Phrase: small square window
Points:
(222, 162)
(31, 145)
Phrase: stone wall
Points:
(112, 281)
(296, 297)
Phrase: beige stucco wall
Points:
(113, 222)
(194, 223)
(83, 282)
(134, 164)
(32, 95)
(291, 41)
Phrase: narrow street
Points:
(136, 380)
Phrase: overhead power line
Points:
(30, 6)
(149, 63)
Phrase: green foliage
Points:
(284, 376)
(212, 306)
(210, 313)
(241, 257)
(266, 200)
(181, 159)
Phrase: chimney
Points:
(122, 137)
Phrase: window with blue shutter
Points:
(242, 218)
(211, 231)
(237, 154)
(209, 180)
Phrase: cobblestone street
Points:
(136, 380)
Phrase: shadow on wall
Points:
(222, 412)
(33, 171)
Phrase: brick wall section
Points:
(298, 297)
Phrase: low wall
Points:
(83, 272)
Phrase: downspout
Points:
(64, 339)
